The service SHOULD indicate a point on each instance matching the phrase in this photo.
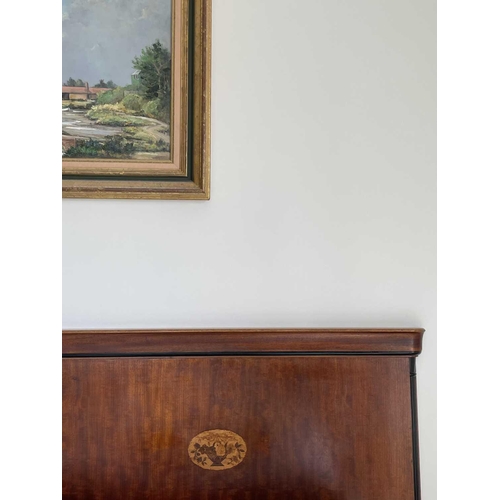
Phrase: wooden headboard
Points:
(243, 414)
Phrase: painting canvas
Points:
(117, 80)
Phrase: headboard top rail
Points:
(243, 341)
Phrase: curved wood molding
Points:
(368, 341)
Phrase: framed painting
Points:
(136, 99)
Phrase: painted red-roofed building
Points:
(81, 93)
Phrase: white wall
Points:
(323, 190)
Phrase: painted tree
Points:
(105, 85)
(154, 65)
(74, 83)
(101, 85)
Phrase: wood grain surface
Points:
(324, 427)
(112, 342)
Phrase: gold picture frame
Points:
(187, 174)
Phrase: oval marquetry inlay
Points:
(217, 449)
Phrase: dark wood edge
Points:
(403, 342)
(414, 426)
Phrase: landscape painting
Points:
(116, 79)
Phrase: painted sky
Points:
(101, 37)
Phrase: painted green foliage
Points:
(154, 66)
